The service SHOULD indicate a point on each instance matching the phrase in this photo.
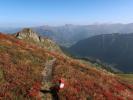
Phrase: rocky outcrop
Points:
(32, 37)
(27, 33)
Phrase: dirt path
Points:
(47, 76)
(47, 72)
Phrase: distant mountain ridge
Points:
(115, 49)
(67, 35)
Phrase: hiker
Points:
(55, 89)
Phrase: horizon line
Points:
(52, 25)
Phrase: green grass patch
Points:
(127, 77)
(1, 76)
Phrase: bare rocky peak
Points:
(32, 37)
(27, 33)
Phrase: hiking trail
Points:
(47, 76)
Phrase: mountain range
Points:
(67, 35)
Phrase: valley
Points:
(112, 49)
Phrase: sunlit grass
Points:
(127, 77)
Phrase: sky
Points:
(19, 13)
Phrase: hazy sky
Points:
(58, 12)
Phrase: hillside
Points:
(115, 49)
(21, 66)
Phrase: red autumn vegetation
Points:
(20, 68)
(86, 82)
(21, 65)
